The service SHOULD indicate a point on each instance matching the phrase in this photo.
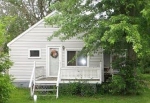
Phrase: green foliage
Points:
(78, 88)
(145, 64)
(128, 80)
(117, 85)
(119, 28)
(103, 88)
(6, 88)
(21, 95)
(15, 27)
(6, 85)
(114, 25)
(146, 11)
(5, 25)
(2, 31)
(5, 63)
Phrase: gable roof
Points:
(30, 28)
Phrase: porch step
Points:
(45, 82)
(45, 89)
(46, 95)
(48, 79)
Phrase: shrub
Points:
(127, 81)
(5, 63)
(102, 88)
(78, 88)
(5, 81)
(144, 63)
(5, 88)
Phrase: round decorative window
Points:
(54, 53)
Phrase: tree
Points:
(8, 30)
(29, 10)
(2, 33)
(6, 85)
(119, 22)
(115, 25)
(4, 24)
(25, 12)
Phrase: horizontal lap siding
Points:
(94, 61)
(21, 72)
(36, 38)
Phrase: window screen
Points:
(34, 53)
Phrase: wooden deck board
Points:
(80, 79)
(55, 79)
(48, 79)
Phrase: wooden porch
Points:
(65, 75)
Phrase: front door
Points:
(54, 57)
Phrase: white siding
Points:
(95, 60)
(37, 38)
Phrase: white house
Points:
(35, 58)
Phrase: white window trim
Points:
(74, 49)
(34, 49)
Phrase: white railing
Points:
(82, 73)
(58, 79)
(32, 80)
(66, 73)
(37, 73)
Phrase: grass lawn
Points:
(21, 95)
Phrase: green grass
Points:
(21, 95)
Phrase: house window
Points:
(34, 53)
(72, 60)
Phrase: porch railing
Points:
(82, 73)
(58, 79)
(37, 73)
(32, 80)
(66, 73)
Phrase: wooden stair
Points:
(46, 87)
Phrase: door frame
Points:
(48, 59)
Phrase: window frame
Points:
(74, 49)
(29, 51)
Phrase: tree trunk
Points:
(131, 55)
